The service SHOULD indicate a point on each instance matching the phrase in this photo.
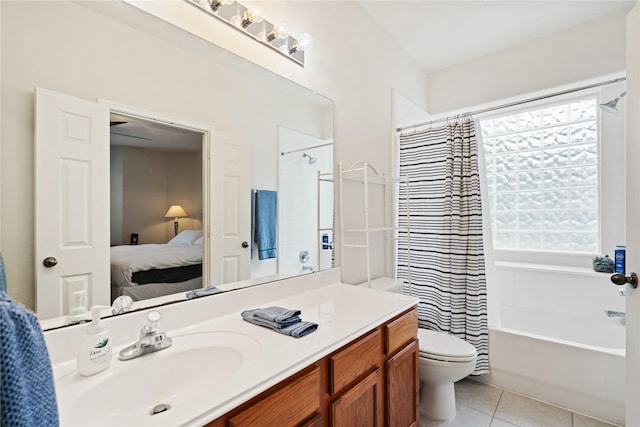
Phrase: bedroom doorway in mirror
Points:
(92, 197)
(156, 180)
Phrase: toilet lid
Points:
(442, 346)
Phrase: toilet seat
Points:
(444, 347)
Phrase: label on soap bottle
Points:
(101, 352)
(619, 259)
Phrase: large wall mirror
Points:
(112, 51)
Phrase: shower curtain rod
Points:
(305, 149)
(512, 104)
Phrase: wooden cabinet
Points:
(292, 403)
(370, 382)
(402, 386)
(288, 406)
(353, 361)
(401, 331)
(361, 405)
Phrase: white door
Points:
(231, 239)
(632, 211)
(72, 203)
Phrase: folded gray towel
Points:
(296, 329)
(278, 314)
(211, 290)
(253, 315)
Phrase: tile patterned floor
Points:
(481, 405)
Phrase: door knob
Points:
(245, 245)
(621, 279)
(49, 262)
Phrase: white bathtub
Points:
(569, 361)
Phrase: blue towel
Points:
(27, 392)
(296, 329)
(278, 314)
(211, 290)
(253, 219)
(3, 277)
(266, 221)
(253, 317)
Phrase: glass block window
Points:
(542, 174)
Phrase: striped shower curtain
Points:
(446, 253)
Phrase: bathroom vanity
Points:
(371, 381)
(361, 363)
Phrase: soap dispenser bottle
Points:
(94, 353)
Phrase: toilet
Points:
(443, 360)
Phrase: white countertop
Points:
(343, 312)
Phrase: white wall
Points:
(580, 53)
(145, 182)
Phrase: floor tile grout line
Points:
(493, 416)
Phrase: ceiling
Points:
(135, 132)
(442, 33)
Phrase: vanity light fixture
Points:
(215, 4)
(175, 212)
(251, 22)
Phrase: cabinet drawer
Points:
(354, 361)
(288, 406)
(401, 331)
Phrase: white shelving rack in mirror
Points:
(326, 230)
(375, 224)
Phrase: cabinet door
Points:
(361, 405)
(402, 384)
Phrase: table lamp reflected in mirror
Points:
(175, 212)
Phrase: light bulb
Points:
(215, 4)
(250, 16)
(235, 20)
(278, 32)
(304, 42)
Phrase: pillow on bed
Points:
(199, 241)
(186, 237)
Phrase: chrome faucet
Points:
(151, 340)
(613, 313)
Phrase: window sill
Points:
(584, 271)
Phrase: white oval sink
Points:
(128, 391)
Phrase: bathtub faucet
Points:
(613, 313)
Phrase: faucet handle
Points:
(151, 323)
(122, 304)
